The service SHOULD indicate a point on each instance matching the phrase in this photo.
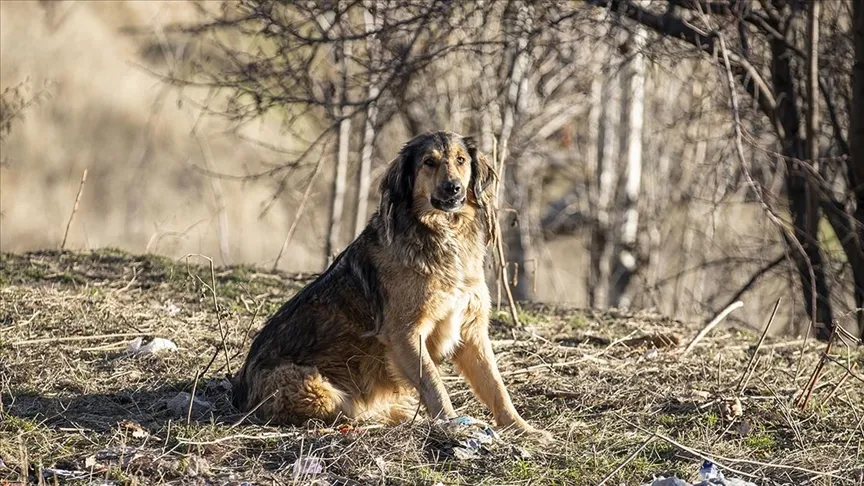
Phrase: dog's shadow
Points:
(152, 408)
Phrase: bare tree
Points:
(626, 253)
(778, 100)
(856, 162)
(515, 186)
(602, 237)
(342, 114)
(372, 22)
(514, 73)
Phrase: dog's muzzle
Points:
(450, 196)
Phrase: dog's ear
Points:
(396, 188)
(481, 172)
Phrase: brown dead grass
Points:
(80, 405)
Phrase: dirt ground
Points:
(624, 401)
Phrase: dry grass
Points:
(588, 377)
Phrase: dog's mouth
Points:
(449, 205)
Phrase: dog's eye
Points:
(460, 160)
(430, 162)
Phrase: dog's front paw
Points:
(542, 436)
(538, 435)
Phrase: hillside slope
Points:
(607, 384)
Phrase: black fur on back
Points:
(351, 284)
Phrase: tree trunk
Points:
(340, 173)
(856, 147)
(801, 200)
(600, 249)
(516, 180)
(364, 176)
(625, 260)
(813, 82)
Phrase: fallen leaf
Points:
(135, 428)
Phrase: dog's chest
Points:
(452, 308)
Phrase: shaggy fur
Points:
(368, 335)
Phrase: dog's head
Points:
(437, 172)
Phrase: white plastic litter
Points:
(473, 436)
(308, 466)
(709, 474)
(157, 345)
(669, 482)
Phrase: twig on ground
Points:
(561, 394)
(192, 399)
(711, 325)
(74, 209)
(804, 398)
(254, 409)
(131, 281)
(106, 347)
(849, 371)
(747, 371)
(223, 332)
(264, 436)
(565, 364)
(716, 459)
(21, 324)
(695, 452)
(779, 345)
(627, 460)
(833, 391)
(65, 339)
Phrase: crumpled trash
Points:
(709, 474)
(308, 466)
(180, 404)
(122, 456)
(155, 346)
(669, 482)
(49, 472)
(472, 436)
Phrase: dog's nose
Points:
(451, 188)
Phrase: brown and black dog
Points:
(368, 335)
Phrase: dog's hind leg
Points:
(400, 408)
(290, 393)
(389, 407)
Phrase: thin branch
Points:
(299, 212)
(711, 325)
(74, 210)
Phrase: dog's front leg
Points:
(476, 361)
(413, 362)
